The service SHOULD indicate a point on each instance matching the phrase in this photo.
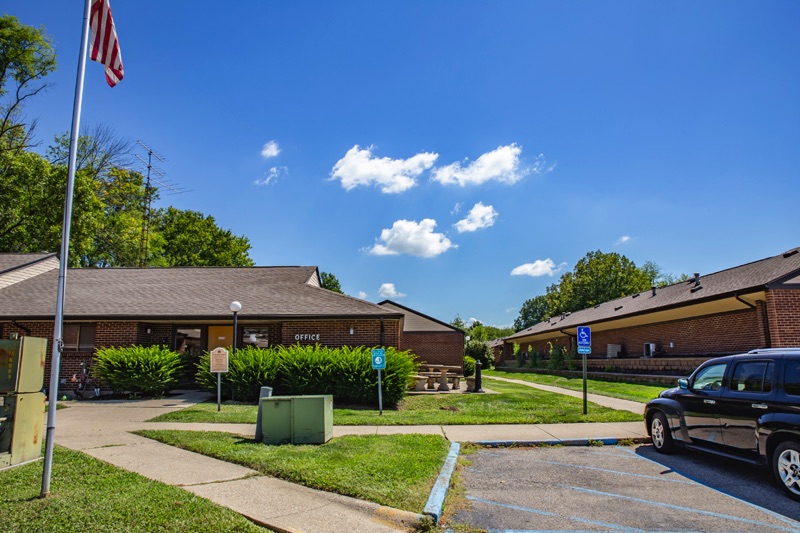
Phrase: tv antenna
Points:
(162, 184)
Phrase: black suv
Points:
(742, 406)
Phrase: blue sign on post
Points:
(378, 359)
(584, 340)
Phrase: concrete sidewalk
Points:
(102, 430)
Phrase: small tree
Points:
(480, 351)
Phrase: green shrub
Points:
(248, 370)
(138, 369)
(345, 372)
(556, 357)
(480, 351)
(469, 366)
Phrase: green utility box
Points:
(297, 419)
(21, 400)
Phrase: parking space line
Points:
(584, 467)
(678, 508)
(773, 514)
(555, 515)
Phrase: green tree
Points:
(330, 282)
(458, 322)
(26, 57)
(193, 239)
(532, 312)
(598, 277)
(118, 239)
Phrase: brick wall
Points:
(783, 311)
(711, 335)
(336, 333)
(435, 347)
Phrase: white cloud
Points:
(362, 295)
(388, 290)
(480, 217)
(624, 239)
(540, 267)
(501, 165)
(272, 175)
(457, 209)
(471, 321)
(359, 167)
(271, 149)
(412, 238)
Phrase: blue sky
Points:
(458, 156)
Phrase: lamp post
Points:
(235, 308)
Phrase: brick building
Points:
(187, 309)
(432, 340)
(750, 306)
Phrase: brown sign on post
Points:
(219, 360)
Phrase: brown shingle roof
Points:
(739, 280)
(190, 293)
(12, 261)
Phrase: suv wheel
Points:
(660, 433)
(786, 467)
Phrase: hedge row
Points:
(345, 372)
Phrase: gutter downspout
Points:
(571, 336)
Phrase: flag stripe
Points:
(105, 46)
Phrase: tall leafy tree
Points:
(194, 239)
(598, 277)
(532, 312)
(26, 58)
(330, 282)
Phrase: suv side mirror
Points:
(683, 383)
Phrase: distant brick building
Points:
(187, 309)
(750, 306)
(433, 341)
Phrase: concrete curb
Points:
(439, 491)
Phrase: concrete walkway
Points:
(102, 430)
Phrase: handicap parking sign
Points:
(584, 340)
(379, 359)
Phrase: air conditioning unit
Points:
(613, 351)
(649, 349)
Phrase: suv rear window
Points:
(791, 378)
(752, 376)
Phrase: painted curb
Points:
(439, 491)
(605, 441)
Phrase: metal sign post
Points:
(584, 348)
(379, 363)
(219, 364)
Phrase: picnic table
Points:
(443, 369)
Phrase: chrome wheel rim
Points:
(789, 469)
(657, 432)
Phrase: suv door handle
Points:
(759, 406)
(712, 402)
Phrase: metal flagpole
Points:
(55, 364)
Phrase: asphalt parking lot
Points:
(619, 488)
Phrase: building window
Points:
(78, 337)
(256, 337)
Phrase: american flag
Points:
(105, 47)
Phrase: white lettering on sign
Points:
(307, 337)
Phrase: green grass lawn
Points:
(514, 404)
(90, 495)
(393, 470)
(626, 391)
